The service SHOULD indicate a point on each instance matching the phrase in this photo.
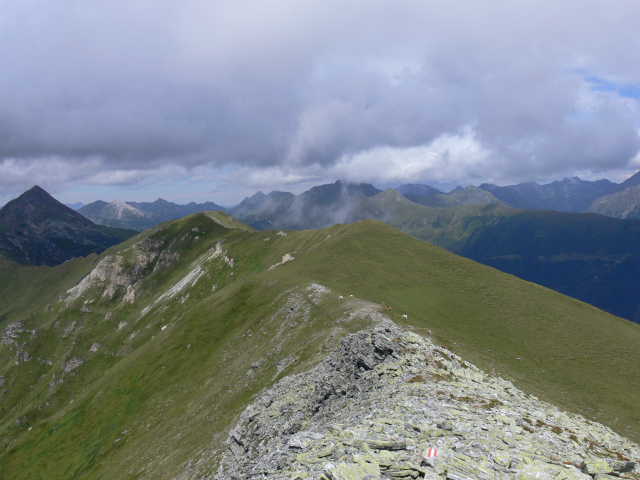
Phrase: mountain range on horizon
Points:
(567, 195)
(141, 215)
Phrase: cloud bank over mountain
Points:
(148, 95)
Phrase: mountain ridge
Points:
(569, 195)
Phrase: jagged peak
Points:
(121, 207)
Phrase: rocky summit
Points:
(389, 404)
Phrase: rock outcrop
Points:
(386, 401)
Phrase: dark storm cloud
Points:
(288, 89)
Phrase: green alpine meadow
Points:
(137, 363)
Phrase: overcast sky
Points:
(214, 100)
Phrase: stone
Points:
(353, 471)
(593, 466)
(385, 396)
(384, 444)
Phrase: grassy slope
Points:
(151, 400)
(590, 257)
(564, 350)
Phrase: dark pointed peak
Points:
(37, 189)
(36, 196)
(36, 192)
(35, 206)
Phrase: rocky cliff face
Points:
(386, 398)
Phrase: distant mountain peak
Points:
(38, 229)
(37, 189)
(34, 206)
(571, 194)
(141, 215)
(572, 180)
(37, 194)
(121, 209)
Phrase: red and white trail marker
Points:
(432, 452)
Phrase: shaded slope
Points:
(624, 204)
(417, 190)
(468, 196)
(263, 211)
(37, 229)
(568, 195)
(589, 257)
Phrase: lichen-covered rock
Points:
(352, 471)
(386, 400)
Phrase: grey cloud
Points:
(139, 85)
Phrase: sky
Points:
(205, 100)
